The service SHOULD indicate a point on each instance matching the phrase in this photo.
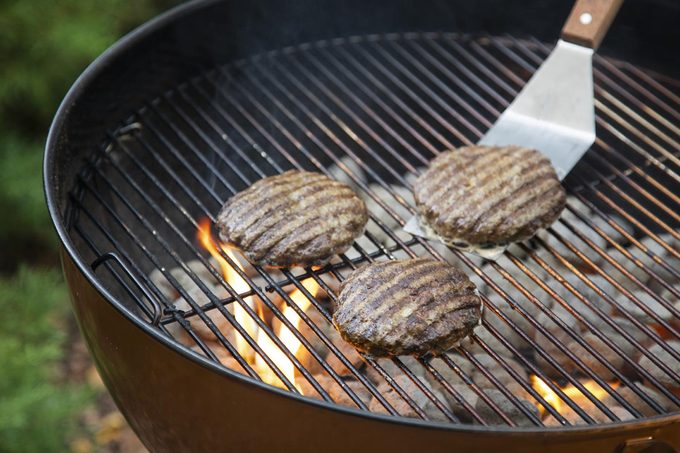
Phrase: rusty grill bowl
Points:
(206, 99)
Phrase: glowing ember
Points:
(572, 393)
(288, 339)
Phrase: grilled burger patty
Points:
(295, 218)
(489, 194)
(412, 306)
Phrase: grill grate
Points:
(384, 106)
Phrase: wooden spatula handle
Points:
(589, 21)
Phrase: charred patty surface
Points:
(401, 307)
(489, 194)
(295, 218)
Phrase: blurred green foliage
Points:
(21, 189)
(35, 408)
(44, 45)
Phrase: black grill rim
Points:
(51, 187)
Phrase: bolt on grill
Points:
(373, 111)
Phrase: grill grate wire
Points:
(397, 100)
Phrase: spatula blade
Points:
(554, 112)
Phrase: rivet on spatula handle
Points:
(589, 21)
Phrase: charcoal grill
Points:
(212, 96)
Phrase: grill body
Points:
(177, 401)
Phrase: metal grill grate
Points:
(384, 106)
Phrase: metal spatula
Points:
(554, 112)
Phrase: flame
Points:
(289, 340)
(236, 282)
(573, 393)
(264, 341)
(547, 393)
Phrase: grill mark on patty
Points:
(392, 297)
(269, 215)
(417, 306)
(439, 316)
(434, 310)
(295, 214)
(325, 247)
(274, 235)
(521, 198)
(360, 278)
(494, 203)
(317, 229)
(273, 223)
(490, 182)
(387, 270)
(529, 217)
(314, 256)
(468, 162)
(554, 192)
(373, 298)
(473, 197)
(243, 200)
(435, 183)
(486, 160)
(241, 204)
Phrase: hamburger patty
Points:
(401, 307)
(295, 218)
(489, 194)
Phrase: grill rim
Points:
(98, 67)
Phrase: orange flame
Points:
(236, 282)
(573, 393)
(288, 339)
